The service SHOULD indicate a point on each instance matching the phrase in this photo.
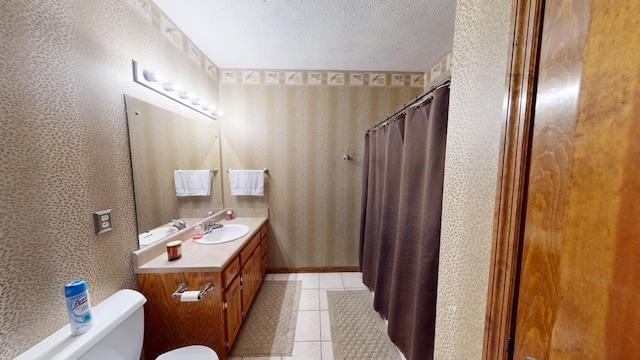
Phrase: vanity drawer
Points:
(263, 231)
(246, 252)
(230, 272)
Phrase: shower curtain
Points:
(402, 181)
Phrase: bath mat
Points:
(270, 327)
(357, 330)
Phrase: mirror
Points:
(162, 141)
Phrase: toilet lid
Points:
(194, 352)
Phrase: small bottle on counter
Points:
(78, 306)
(174, 250)
(198, 233)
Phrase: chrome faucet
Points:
(209, 227)
(179, 224)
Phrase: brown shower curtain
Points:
(400, 224)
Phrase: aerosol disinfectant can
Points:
(78, 306)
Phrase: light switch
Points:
(102, 221)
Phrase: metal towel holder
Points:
(182, 287)
(266, 171)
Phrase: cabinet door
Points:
(251, 278)
(256, 269)
(170, 323)
(263, 252)
(233, 311)
(247, 286)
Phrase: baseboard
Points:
(313, 269)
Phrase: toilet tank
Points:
(117, 333)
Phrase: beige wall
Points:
(65, 154)
(475, 117)
(301, 132)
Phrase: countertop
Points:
(195, 257)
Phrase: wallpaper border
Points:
(152, 13)
(337, 77)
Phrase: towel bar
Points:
(266, 171)
(212, 170)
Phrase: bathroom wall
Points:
(65, 153)
(479, 64)
(65, 68)
(299, 125)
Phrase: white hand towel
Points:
(246, 182)
(192, 182)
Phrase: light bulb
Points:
(152, 77)
(168, 86)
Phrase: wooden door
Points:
(578, 288)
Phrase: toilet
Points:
(117, 334)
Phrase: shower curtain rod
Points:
(416, 100)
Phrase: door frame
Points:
(518, 110)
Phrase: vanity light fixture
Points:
(158, 82)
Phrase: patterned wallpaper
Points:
(300, 124)
(301, 133)
(174, 35)
(481, 42)
(65, 152)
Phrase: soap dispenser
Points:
(198, 233)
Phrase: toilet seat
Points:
(193, 352)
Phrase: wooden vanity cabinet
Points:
(170, 323)
(215, 320)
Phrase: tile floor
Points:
(313, 333)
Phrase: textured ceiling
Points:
(389, 35)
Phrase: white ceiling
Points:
(370, 35)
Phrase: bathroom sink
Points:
(226, 233)
(151, 236)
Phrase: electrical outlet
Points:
(103, 221)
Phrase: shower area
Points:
(402, 185)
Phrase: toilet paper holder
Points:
(182, 287)
(208, 286)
